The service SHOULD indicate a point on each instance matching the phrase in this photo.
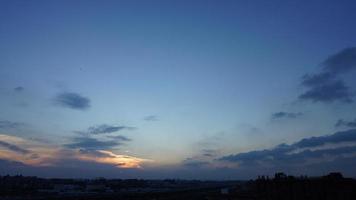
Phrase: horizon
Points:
(258, 177)
(218, 90)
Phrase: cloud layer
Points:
(14, 148)
(38, 154)
(308, 151)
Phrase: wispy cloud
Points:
(350, 124)
(119, 138)
(73, 101)
(25, 151)
(91, 143)
(151, 118)
(192, 163)
(210, 152)
(13, 147)
(10, 125)
(108, 157)
(286, 115)
(38, 154)
(91, 139)
(204, 159)
(104, 129)
(19, 89)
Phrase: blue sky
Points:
(175, 86)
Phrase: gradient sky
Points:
(177, 89)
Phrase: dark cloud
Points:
(299, 152)
(151, 118)
(316, 79)
(202, 159)
(119, 138)
(342, 62)
(288, 115)
(10, 125)
(192, 163)
(19, 89)
(73, 101)
(88, 143)
(350, 124)
(14, 148)
(104, 128)
(327, 86)
(342, 136)
(209, 152)
(328, 92)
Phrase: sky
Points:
(177, 89)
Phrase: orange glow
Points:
(120, 161)
(40, 154)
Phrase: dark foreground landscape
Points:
(332, 186)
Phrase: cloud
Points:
(342, 136)
(327, 86)
(341, 62)
(210, 152)
(94, 153)
(13, 147)
(108, 157)
(193, 163)
(91, 144)
(73, 101)
(104, 129)
(87, 140)
(26, 151)
(10, 125)
(19, 89)
(119, 138)
(287, 115)
(39, 154)
(203, 159)
(151, 118)
(316, 79)
(328, 92)
(308, 150)
(350, 124)
(76, 168)
(211, 141)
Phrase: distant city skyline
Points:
(177, 89)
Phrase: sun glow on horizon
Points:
(38, 154)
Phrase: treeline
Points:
(331, 187)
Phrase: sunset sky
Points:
(177, 89)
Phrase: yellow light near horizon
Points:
(120, 161)
(40, 154)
